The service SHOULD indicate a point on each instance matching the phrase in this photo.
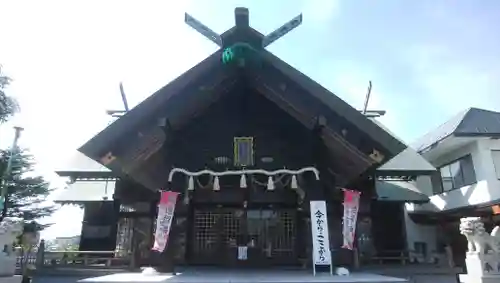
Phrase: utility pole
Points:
(7, 172)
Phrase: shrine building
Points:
(244, 109)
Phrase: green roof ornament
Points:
(239, 53)
(227, 55)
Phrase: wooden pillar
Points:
(315, 189)
(105, 216)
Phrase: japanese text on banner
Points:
(351, 208)
(166, 210)
(320, 235)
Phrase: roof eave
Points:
(403, 172)
(86, 174)
(477, 135)
(96, 146)
(391, 143)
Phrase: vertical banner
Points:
(166, 209)
(319, 230)
(351, 208)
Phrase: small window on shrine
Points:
(243, 151)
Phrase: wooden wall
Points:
(99, 226)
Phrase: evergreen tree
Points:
(8, 106)
(26, 192)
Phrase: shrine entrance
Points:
(243, 237)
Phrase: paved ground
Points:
(416, 274)
(416, 279)
(434, 279)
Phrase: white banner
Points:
(351, 208)
(166, 209)
(319, 230)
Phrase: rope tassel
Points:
(243, 181)
(216, 184)
(294, 184)
(191, 183)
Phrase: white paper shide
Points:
(320, 237)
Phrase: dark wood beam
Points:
(304, 107)
(279, 71)
(334, 141)
(205, 98)
(282, 103)
(353, 161)
(341, 146)
(321, 121)
(209, 70)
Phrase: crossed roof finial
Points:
(241, 18)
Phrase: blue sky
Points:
(427, 60)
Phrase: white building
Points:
(63, 243)
(466, 152)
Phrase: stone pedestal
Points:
(11, 279)
(7, 266)
(482, 268)
(466, 278)
(10, 229)
(483, 258)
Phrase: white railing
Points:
(47, 259)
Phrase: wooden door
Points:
(217, 232)
(272, 237)
(269, 237)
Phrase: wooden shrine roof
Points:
(196, 89)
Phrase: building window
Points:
(458, 173)
(495, 154)
(243, 151)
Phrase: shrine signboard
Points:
(321, 254)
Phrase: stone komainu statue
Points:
(478, 239)
(10, 229)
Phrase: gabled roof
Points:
(407, 161)
(207, 81)
(471, 122)
(213, 73)
(80, 165)
(87, 191)
(400, 191)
